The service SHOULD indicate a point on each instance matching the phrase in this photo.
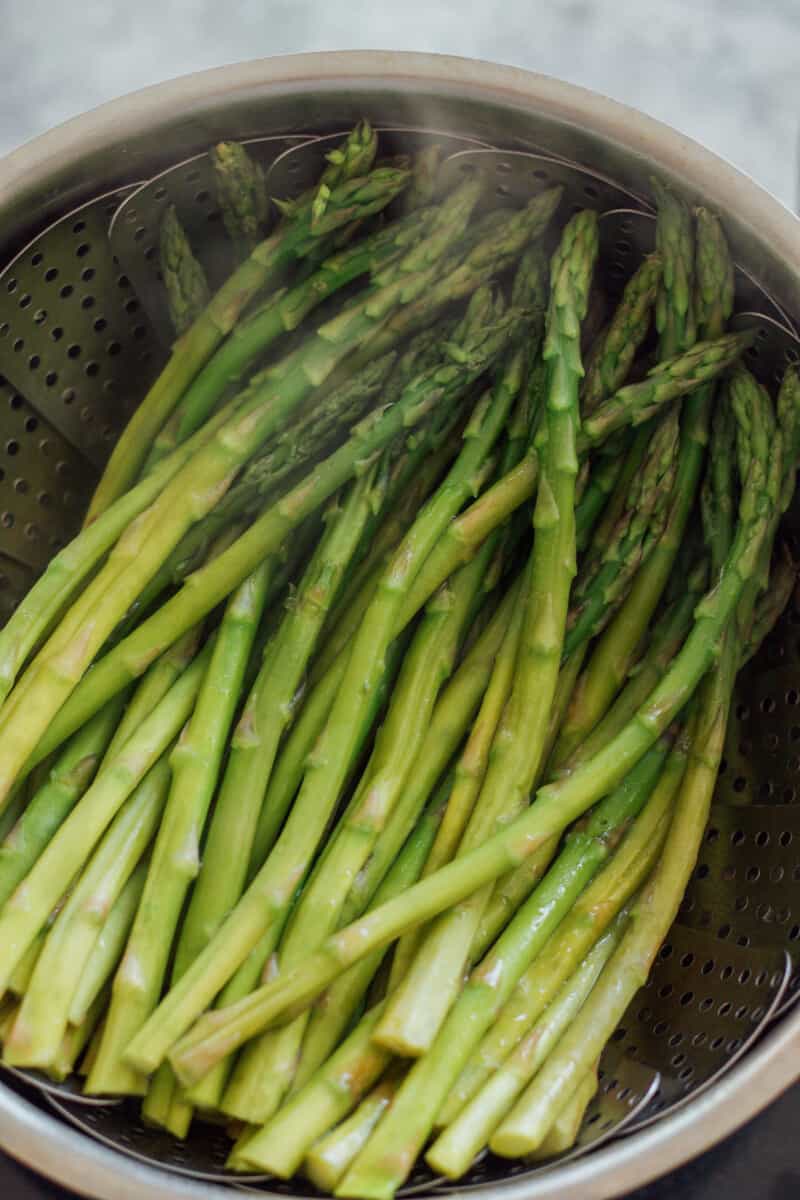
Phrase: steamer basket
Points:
(714, 1036)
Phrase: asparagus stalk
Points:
(266, 713)
(391, 1151)
(184, 278)
(454, 1150)
(294, 239)
(195, 763)
(242, 195)
(599, 905)
(264, 1072)
(564, 1130)
(108, 948)
(613, 655)
(772, 604)
(409, 1025)
(76, 1040)
(424, 177)
(285, 313)
(329, 1158)
(65, 573)
(600, 591)
(47, 810)
(557, 804)
(617, 348)
(209, 585)
(335, 1009)
(27, 909)
(43, 1018)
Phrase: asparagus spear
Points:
(599, 905)
(424, 177)
(772, 604)
(612, 657)
(42, 1020)
(195, 763)
(454, 1150)
(617, 348)
(242, 195)
(295, 238)
(264, 1072)
(108, 948)
(556, 805)
(51, 805)
(184, 278)
(286, 312)
(329, 1158)
(213, 582)
(267, 711)
(410, 1024)
(379, 1170)
(27, 909)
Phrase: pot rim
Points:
(40, 1140)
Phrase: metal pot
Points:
(129, 140)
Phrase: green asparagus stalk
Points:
(285, 313)
(557, 804)
(46, 812)
(335, 1009)
(410, 1024)
(564, 1131)
(23, 972)
(771, 604)
(294, 239)
(108, 948)
(209, 585)
(329, 1158)
(614, 653)
(617, 348)
(325, 773)
(195, 763)
(455, 1149)
(600, 591)
(242, 195)
(43, 1018)
(27, 909)
(75, 1041)
(263, 1073)
(328, 768)
(391, 1151)
(424, 177)
(184, 279)
(603, 899)
(326, 1098)
(266, 713)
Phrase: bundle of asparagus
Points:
(356, 754)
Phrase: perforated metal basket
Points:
(713, 1037)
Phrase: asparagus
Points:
(184, 278)
(599, 905)
(242, 195)
(335, 1009)
(52, 803)
(27, 909)
(391, 1151)
(108, 948)
(43, 1018)
(286, 312)
(424, 177)
(556, 805)
(267, 711)
(295, 238)
(64, 574)
(329, 1158)
(214, 581)
(563, 1132)
(264, 1072)
(410, 1025)
(600, 591)
(454, 1150)
(612, 657)
(195, 762)
(772, 604)
(617, 348)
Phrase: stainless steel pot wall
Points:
(132, 140)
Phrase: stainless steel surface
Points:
(538, 131)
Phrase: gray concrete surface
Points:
(723, 71)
